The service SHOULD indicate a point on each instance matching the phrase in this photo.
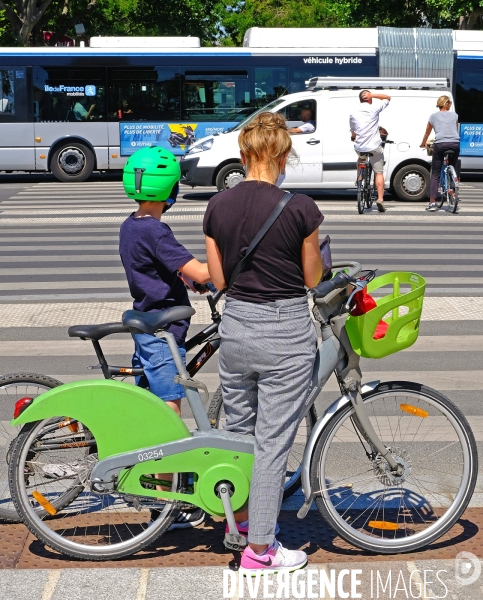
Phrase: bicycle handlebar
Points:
(339, 281)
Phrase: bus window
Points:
(270, 83)
(68, 94)
(469, 95)
(7, 98)
(149, 94)
(216, 96)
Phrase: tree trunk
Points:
(25, 16)
(470, 19)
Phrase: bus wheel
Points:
(411, 183)
(72, 162)
(229, 176)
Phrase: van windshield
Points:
(267, 107)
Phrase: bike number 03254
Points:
(152, 455)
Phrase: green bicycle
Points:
(391, 465)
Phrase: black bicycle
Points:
(51, 458)
(366, 190)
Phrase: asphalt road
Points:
(59, 266)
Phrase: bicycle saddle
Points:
(449, 152)
(96, 332)
(154, 321)
(363, 154)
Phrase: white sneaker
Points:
(431, 207)
(275, 558)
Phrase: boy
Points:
(152, 259)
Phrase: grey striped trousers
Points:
(267, 355)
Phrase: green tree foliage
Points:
(23, 21)
(456, 14)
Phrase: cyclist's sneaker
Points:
(243, 528)
(185, 519)
(431, 207)
(381, 207)
(275, 558)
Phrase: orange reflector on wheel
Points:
(44, 503)
(414, 410)
(384, 525)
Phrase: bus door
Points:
(305, 116)
(16, 132)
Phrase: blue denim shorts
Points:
(154, 356)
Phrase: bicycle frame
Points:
(211, 346)
(121, 417)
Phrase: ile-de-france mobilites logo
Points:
(72, 90)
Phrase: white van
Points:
(327, 159)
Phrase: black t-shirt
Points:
(274, 272)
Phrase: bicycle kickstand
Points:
(233, 539)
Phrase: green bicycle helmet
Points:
(150, 174)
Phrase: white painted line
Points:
(116, 345)
(143, 585)
(53, 577)
(382, 218)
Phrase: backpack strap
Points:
(277, 211)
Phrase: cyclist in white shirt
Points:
(308, 125)
(364, 124)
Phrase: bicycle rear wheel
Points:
(364, 501)
(360, 200)
(12, 388)
(294, 470)
(93, 526)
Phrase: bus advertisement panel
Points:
(176, 137)
(471, 139)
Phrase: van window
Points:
(300, 114)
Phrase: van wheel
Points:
(72, 162)
(229, 176)
(411, 183)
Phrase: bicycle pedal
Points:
(235, 541)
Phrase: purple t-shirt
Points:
(151, 257)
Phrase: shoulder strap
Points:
(277, 211)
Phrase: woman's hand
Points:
(422, 144)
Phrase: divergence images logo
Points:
(90, 90)
(467, 568)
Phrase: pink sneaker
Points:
(243, 529)
(276, 558)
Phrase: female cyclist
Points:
(445, 125)
(268, 340)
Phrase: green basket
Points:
(400, 309)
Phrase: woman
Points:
(445, 125)
(268, 340)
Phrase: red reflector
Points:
(21, 405)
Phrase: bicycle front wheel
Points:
(294, 465)
(453, 190)
(93, 526)
(12, 388)
(369, 506)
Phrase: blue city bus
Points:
(70, 111)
